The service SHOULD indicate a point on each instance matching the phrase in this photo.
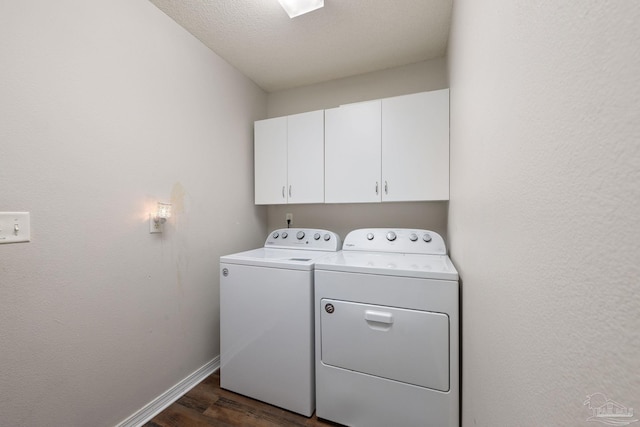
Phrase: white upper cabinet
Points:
(270, 156)
(415, 147)
(289, 159)
(387, 150)
(352, 153)
(306, 157)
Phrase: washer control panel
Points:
(304, 238)
(402, 240)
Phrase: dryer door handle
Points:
(378, 316)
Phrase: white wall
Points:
(106, 108)
(418, 77)
(545, 202)
(342, 218)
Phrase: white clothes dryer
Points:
(266, 318)
(387, 343)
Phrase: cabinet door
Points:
(352, 153)
(305, 142)
(270, 157)
(415, 147)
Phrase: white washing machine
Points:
(266, 318)
(387, 331)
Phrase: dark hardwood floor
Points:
(209, 405)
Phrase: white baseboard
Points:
(161, 402)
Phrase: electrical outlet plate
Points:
(289, 217)
(15, 227)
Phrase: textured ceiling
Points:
(345, 38)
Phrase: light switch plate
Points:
(15, 227)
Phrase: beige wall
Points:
(544, 209)
(342, 218)
(418, 77)
(105, 109)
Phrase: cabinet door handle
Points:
(289, 190)
(386, 188)
(376, 188)
(283, 191)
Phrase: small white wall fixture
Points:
(159, 218)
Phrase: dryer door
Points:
(410, 346)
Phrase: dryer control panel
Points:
(304, 238)
(399, 240)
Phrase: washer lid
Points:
(276, 258)
(390, 264)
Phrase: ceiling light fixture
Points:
(299, 7)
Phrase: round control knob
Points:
(300, 235)
(327, 237)
(275, 235)
(284, 234)
(316, 236)
(413, 237)
(369, 236)
(426, 238)
(391, 236)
